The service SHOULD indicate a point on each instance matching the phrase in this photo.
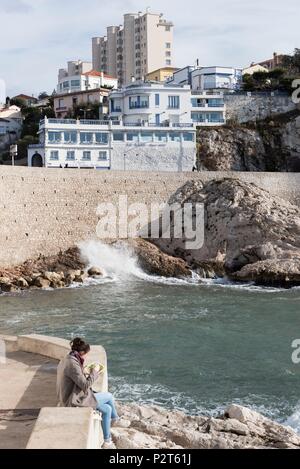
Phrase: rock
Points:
(157, 428)
(249, 233)
(22, 283)
(244, 415)
(81, 278)
(53, 277)
(7, 287)
(275, 272)
(95, 272)
(230, 426)
(123, 423)
(155, 262)
(41, 282)
(270, 145)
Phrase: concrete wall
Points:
(45, 210)
(167, 157)
(245, 108)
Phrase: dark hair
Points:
(79, 345)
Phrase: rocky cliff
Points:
(143, 427)
(269, 145)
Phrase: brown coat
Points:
(74, 389)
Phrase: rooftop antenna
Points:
(147, 9)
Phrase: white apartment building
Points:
(208, 78)
(142, 44)
(151, 103)
(154, 103)
(112, 145)
(79, 76)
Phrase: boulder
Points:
(41, 282)
(95, 272)
(22, 283)
(153, 261)
(53, 277)
(249, 233)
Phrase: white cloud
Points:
(38, 36)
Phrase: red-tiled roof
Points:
(95, 73)
(24, 96)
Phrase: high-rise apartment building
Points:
(142, 44)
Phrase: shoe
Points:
(114, 422)
(109, 445)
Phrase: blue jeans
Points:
(106, 405)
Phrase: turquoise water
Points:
(178, 344)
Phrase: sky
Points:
(37, 37)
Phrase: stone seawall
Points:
(43, 211)
(256, 106)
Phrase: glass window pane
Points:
(102, 138)
(161, 137)
(188, 136)
(86, 155)
(86, 137)
(132, 136)
(147, 136)
(70, 137)
(54, 137)
(103, 155)
(119, 136)
(175, 136)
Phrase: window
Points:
(70, 155)
(132, 136)
(168, 45)
(65, 84)
(174, 102)
(157, 119)
(198, 102)
(139, 102)
(86, 156)
(147, 137)
(188, 136)
(54, 137)
(161, 136)
(101, 138)
(157, 100)
(75, 83)
(103, 156)
(70, 137)
(168, 62)
(119, 136)
(168, 53)
(86, 138)
(215, 102)
(168, 28)
(61, 103)
(54, 155)
(175, 136)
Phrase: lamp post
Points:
(13, 153)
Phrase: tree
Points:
(43, 95)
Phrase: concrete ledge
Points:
(66, 428)
(10, 342)
(57, 349)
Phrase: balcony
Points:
(139, 106)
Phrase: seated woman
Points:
(74, 388)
